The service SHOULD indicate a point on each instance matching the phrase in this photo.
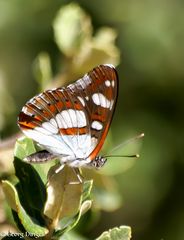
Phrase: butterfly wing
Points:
(73, 122)
(57, 121)
(98, 92)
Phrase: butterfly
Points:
(72, 122)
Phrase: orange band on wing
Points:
(73, 131)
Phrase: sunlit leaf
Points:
(85, 206)
(71, 28)
(100, 49)
(68, 223)
(87, 186)
(24, 146)
(13, 199)
(10, 193)
(63, 194)
(121, 233)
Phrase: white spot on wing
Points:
(107, 83)
(100, 99)
(71, 118)
(111, 104)
(26, 110)
(61, 122)
(53, 122)
(96, 98)
(97, 125)
(113, 83)
(80, 120)
(68, 115)
(81, 100)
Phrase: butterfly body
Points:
(71, 123)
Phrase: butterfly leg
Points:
(78, 173)
(75, 170)
(60, 168)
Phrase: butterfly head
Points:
(98, 162)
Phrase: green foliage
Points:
(23, 218)
(121, 233)
(53, 209)
(45, 210)
(72, 26)
(73, 32)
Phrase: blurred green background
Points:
(150, 40)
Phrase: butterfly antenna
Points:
(129, 156)
(127, 142)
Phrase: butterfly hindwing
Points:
(56, 122)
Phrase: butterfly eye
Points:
(98, 162)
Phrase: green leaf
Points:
(24, 147)
(18, 221)
(10, 193)
(67, 224)
(97, 50)
(30, 183)
(13, 199)
(72, 27)
(63, 197)
(121, 233)
(85, 206)
(87, 186)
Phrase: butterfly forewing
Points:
(73, 122)
(97, 91)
